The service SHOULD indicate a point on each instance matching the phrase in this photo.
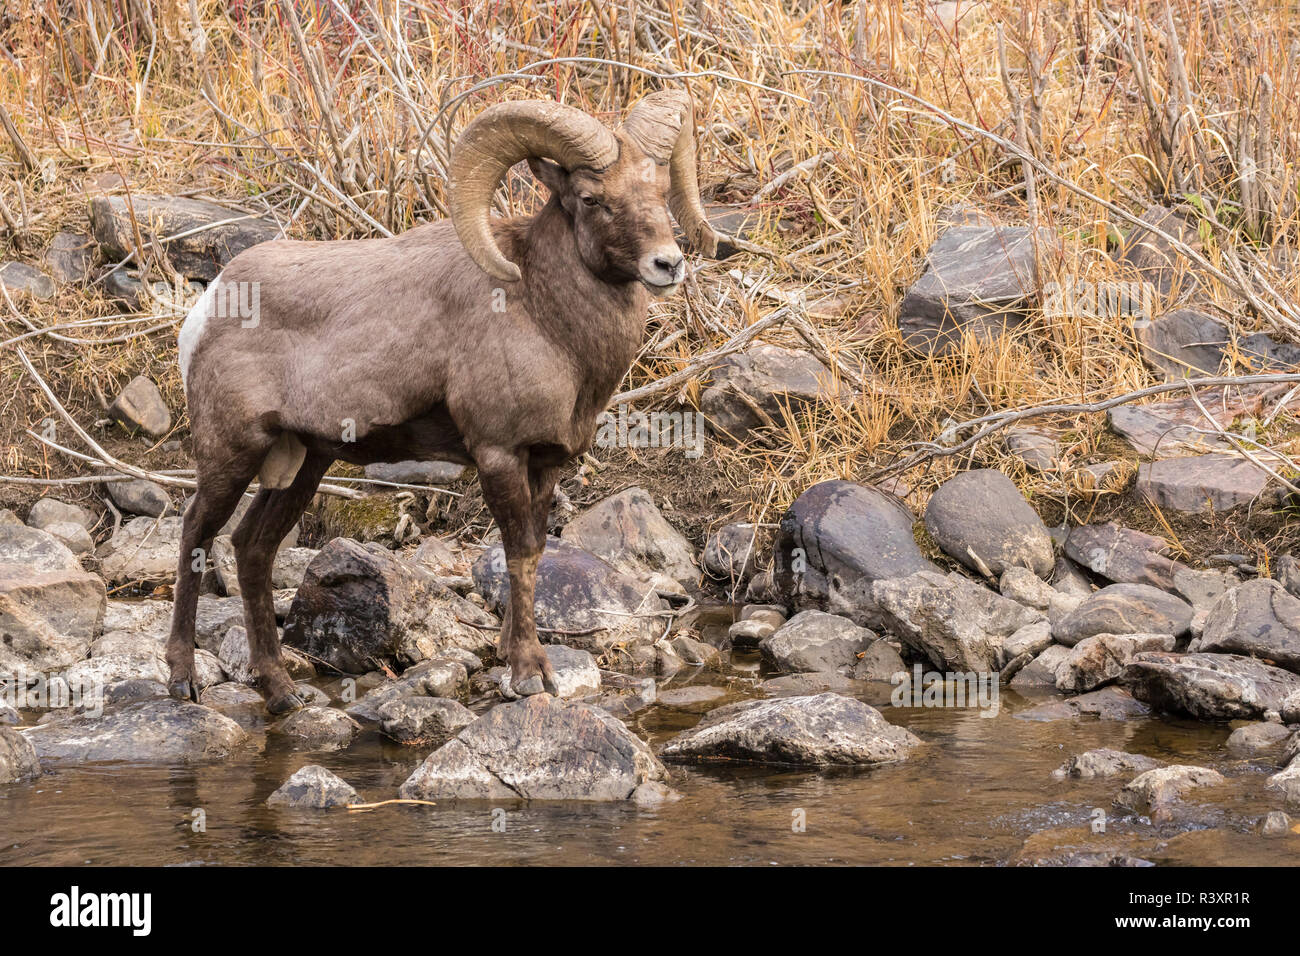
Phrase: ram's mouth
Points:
(659, 291)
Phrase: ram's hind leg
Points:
(273, 512)
(219, 487)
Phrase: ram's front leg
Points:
(508, 492)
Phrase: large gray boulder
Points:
(822, 730)
(979, 280)
(18, 759)
(145, 550)
(1201, 483)
(50, 608)
(956, 623)
(208, 235)
(1208, 686)
(1124, 609)
(425, 721)
(313, 788)
(1123, 555)
(574, 590)
(1258, 619)
(836, 540)
(359, 607)
(1100, 659)
(150, 731)
(752, 388)
(980, 519)
(816, 641)
(537, 748)
(630, 533)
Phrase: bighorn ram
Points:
(493, 342)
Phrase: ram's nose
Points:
(662, 270)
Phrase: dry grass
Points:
(324, 130)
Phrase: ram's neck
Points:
(600, 324)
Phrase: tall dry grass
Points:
(334, 117)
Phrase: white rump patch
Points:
(192, 328)
(282, 462)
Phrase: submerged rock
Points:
(836, 541)
(150, 731)
(313, 788)
(1104, 762)
(823, 730)
(980, 519)
(1209, 686)
(1155, 792)
(1260, 740)
(537, 748)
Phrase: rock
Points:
(1261, 740)
(1275, 824)
(18, 759)
(822, 730)
(1038, 450)
(1042, 670)
(537, 748)
(761, 589)
(980, 519)
(358, 606)
(574, 587)
(416, 472)
(623, 695)
(1209, 686)
(1290, 709)
(1124, 609)
(979, 280)
(880, 662)
(69, 257)
(437, 678)
(140, 406)
(1109, 703)
(237, 701)
(1178, 426)
(424, 720)
(1025, 587)
(8, 715)
(1122, 555)
(955, 623)
(1031, 639)
(8, 519)
(836, 541)
(1153, 257)
(19, 278)
(1186, 343)
(143, 550)
(202, 249)
(802, 685)
(1201, 483)
(753, 388)
(576, 673)
(287, 569)
(50, 609)
(1257, 619)
(816, 641)
(1154, 792)
(695, 698)
(150, 731)
(49, 511)
(628, 532)
(692, 652)
(654, 794)
(74, 536)
(1201, 589)
(141, 497)
(1288, 574)
(1287, 783)
(313, 788)
(1100, 659)
(1104, 762)
(732, 552)
(319, 728)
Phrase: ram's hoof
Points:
(536, 684)
(183, 690)
(284, 704)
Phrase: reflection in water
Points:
(975, 794)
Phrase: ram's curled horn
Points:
(662, 125)
(498, 138)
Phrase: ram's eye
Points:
(589, 201)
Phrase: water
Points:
(979, 789)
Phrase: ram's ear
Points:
(549, 174)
